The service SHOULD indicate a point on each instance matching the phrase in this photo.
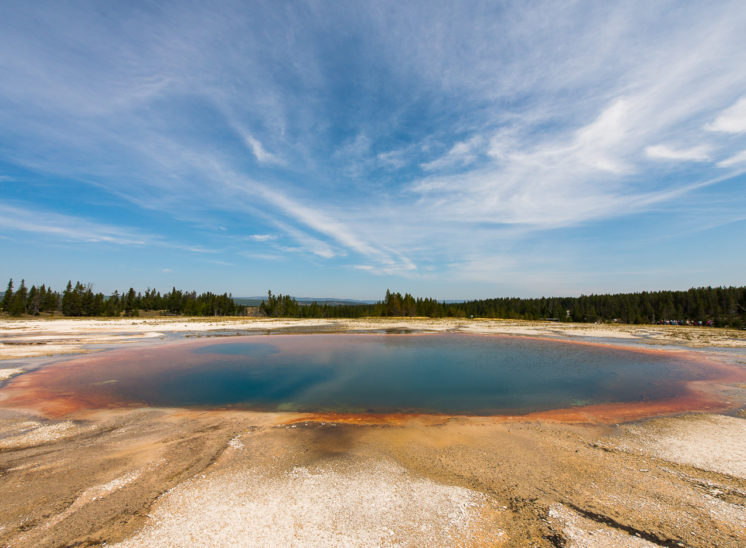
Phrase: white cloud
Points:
(734, 160)
(260, 153)
(319, 221)
(564, 179)
(217, 262)
(461, 154)
(193, 248)
(665, 152)
(589, 165)
(732, 119)
(263, 237)
(394, 159)
(71, 228)
(597, 144)
(308, 244)
(258, 150)
(383, 270)
(261, 256)
(68, 227)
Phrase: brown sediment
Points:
(375, 419)
(184, 477)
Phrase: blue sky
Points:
(453, 150)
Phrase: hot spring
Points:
(371, 373)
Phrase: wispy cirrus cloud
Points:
(577, 173)
(738, 159)
(461, 154)
(78, 229)
(383, 138)
(665, 152)
(257, 149)
(263, 237)
(68, 227)
(732, 119)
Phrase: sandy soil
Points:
(219, 478)
(169, 477)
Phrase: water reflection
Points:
(385, 373)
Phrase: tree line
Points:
(394, 304)
(80, 300)
(715, 306)
(718, 306)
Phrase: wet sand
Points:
(183, 477)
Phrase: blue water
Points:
(401, 373)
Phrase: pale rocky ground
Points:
(39, 337)
(6, 374)
(357, 503)
(171, 477)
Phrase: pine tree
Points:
(112, 305)
(86, 300)
(51, 301)
(33, 303)
(269, 306)
(18, 304)
(8, 297)
(99, 305)
(130, 303)
(67, 298)
(42, 297)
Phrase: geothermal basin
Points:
(461, 433)
(455, 374)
